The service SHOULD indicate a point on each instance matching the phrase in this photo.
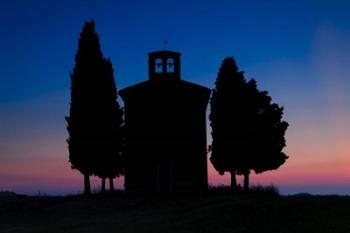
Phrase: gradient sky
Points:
(297, 50)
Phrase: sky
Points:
(299, 51)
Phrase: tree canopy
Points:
(247, 128)
(95, 119)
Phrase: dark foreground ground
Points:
(204, 213)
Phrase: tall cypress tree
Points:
(225, 119)
(247, 129)
(95, 117)
(109, 164)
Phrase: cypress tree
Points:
(95, 117)
(109, 164)
(225, 119)
(247, 129)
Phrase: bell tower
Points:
(164, 65)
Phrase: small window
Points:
(158, 65)
(170, 65)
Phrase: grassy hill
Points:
(206, 213)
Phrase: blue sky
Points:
(297, 50)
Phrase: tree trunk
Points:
(87, 187)
(103, 185)
(233, 180)
(111, 184)
(246, 181)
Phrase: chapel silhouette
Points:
(165, 122)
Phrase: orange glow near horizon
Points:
(317, 156)
(312, 165)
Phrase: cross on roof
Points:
(165, 44)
